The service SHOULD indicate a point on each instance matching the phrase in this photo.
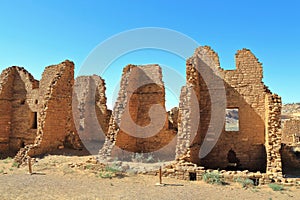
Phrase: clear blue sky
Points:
(35, 34)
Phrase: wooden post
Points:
(29, 165)
(160, 176)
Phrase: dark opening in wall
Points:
(232, 119)
(36, 101)
(34, 120)
(22, 144)
(22, 101)
(193, 176)
(233, 161)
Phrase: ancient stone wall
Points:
(90, 111)
(139, 121)
(291, 131)
(273, 136)
(173, 118)
(55, 119)
(185, 124)
(18, 108)
(52, 119)
(290, 159)
(6, 80)
(246, 92)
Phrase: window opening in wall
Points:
(22, 101)
(34, 120)
(232, 119)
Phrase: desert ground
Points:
(74, 177)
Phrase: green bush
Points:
(110, 171)
(245, 182)
(15, 164)
(89, 166)
(276, 187)
(112, 168)
(7, 160)
(106, 174)
(213, 178)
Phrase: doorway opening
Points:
(193, 176)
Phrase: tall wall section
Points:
(6, 80)
(139, 121)
(18, 106)
(55, 119)
(245, 92)
(90, 111)
(273, 136)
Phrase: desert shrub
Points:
(213, 178)
(143, 157)
(112, 168)
(7, 160)
(276, 187)
(110, 171)
(150, 158)
(245, 182)
(15, 164)
(89, 166)
(106, 174)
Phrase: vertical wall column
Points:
(184, 126)
(273, 136)
(6, 81)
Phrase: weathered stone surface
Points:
(291, 132)
(246, 92)
(55, 121)
(132, 128)
(37, 117)
(173, 118)
(91, 115)
(18, 105)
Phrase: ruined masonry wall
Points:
(115, 119)
(244, 91)
(55, 120)
(151, 91)
(6, 80)
(184, 128)
(90, 104)
(273, 136)
(290, 128)
(18, 103)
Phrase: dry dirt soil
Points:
(70, 177)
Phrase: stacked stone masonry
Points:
(256, 145)
(18, 107)
(38, 117)
(131, 125)
(90, 112)
(291, 132)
